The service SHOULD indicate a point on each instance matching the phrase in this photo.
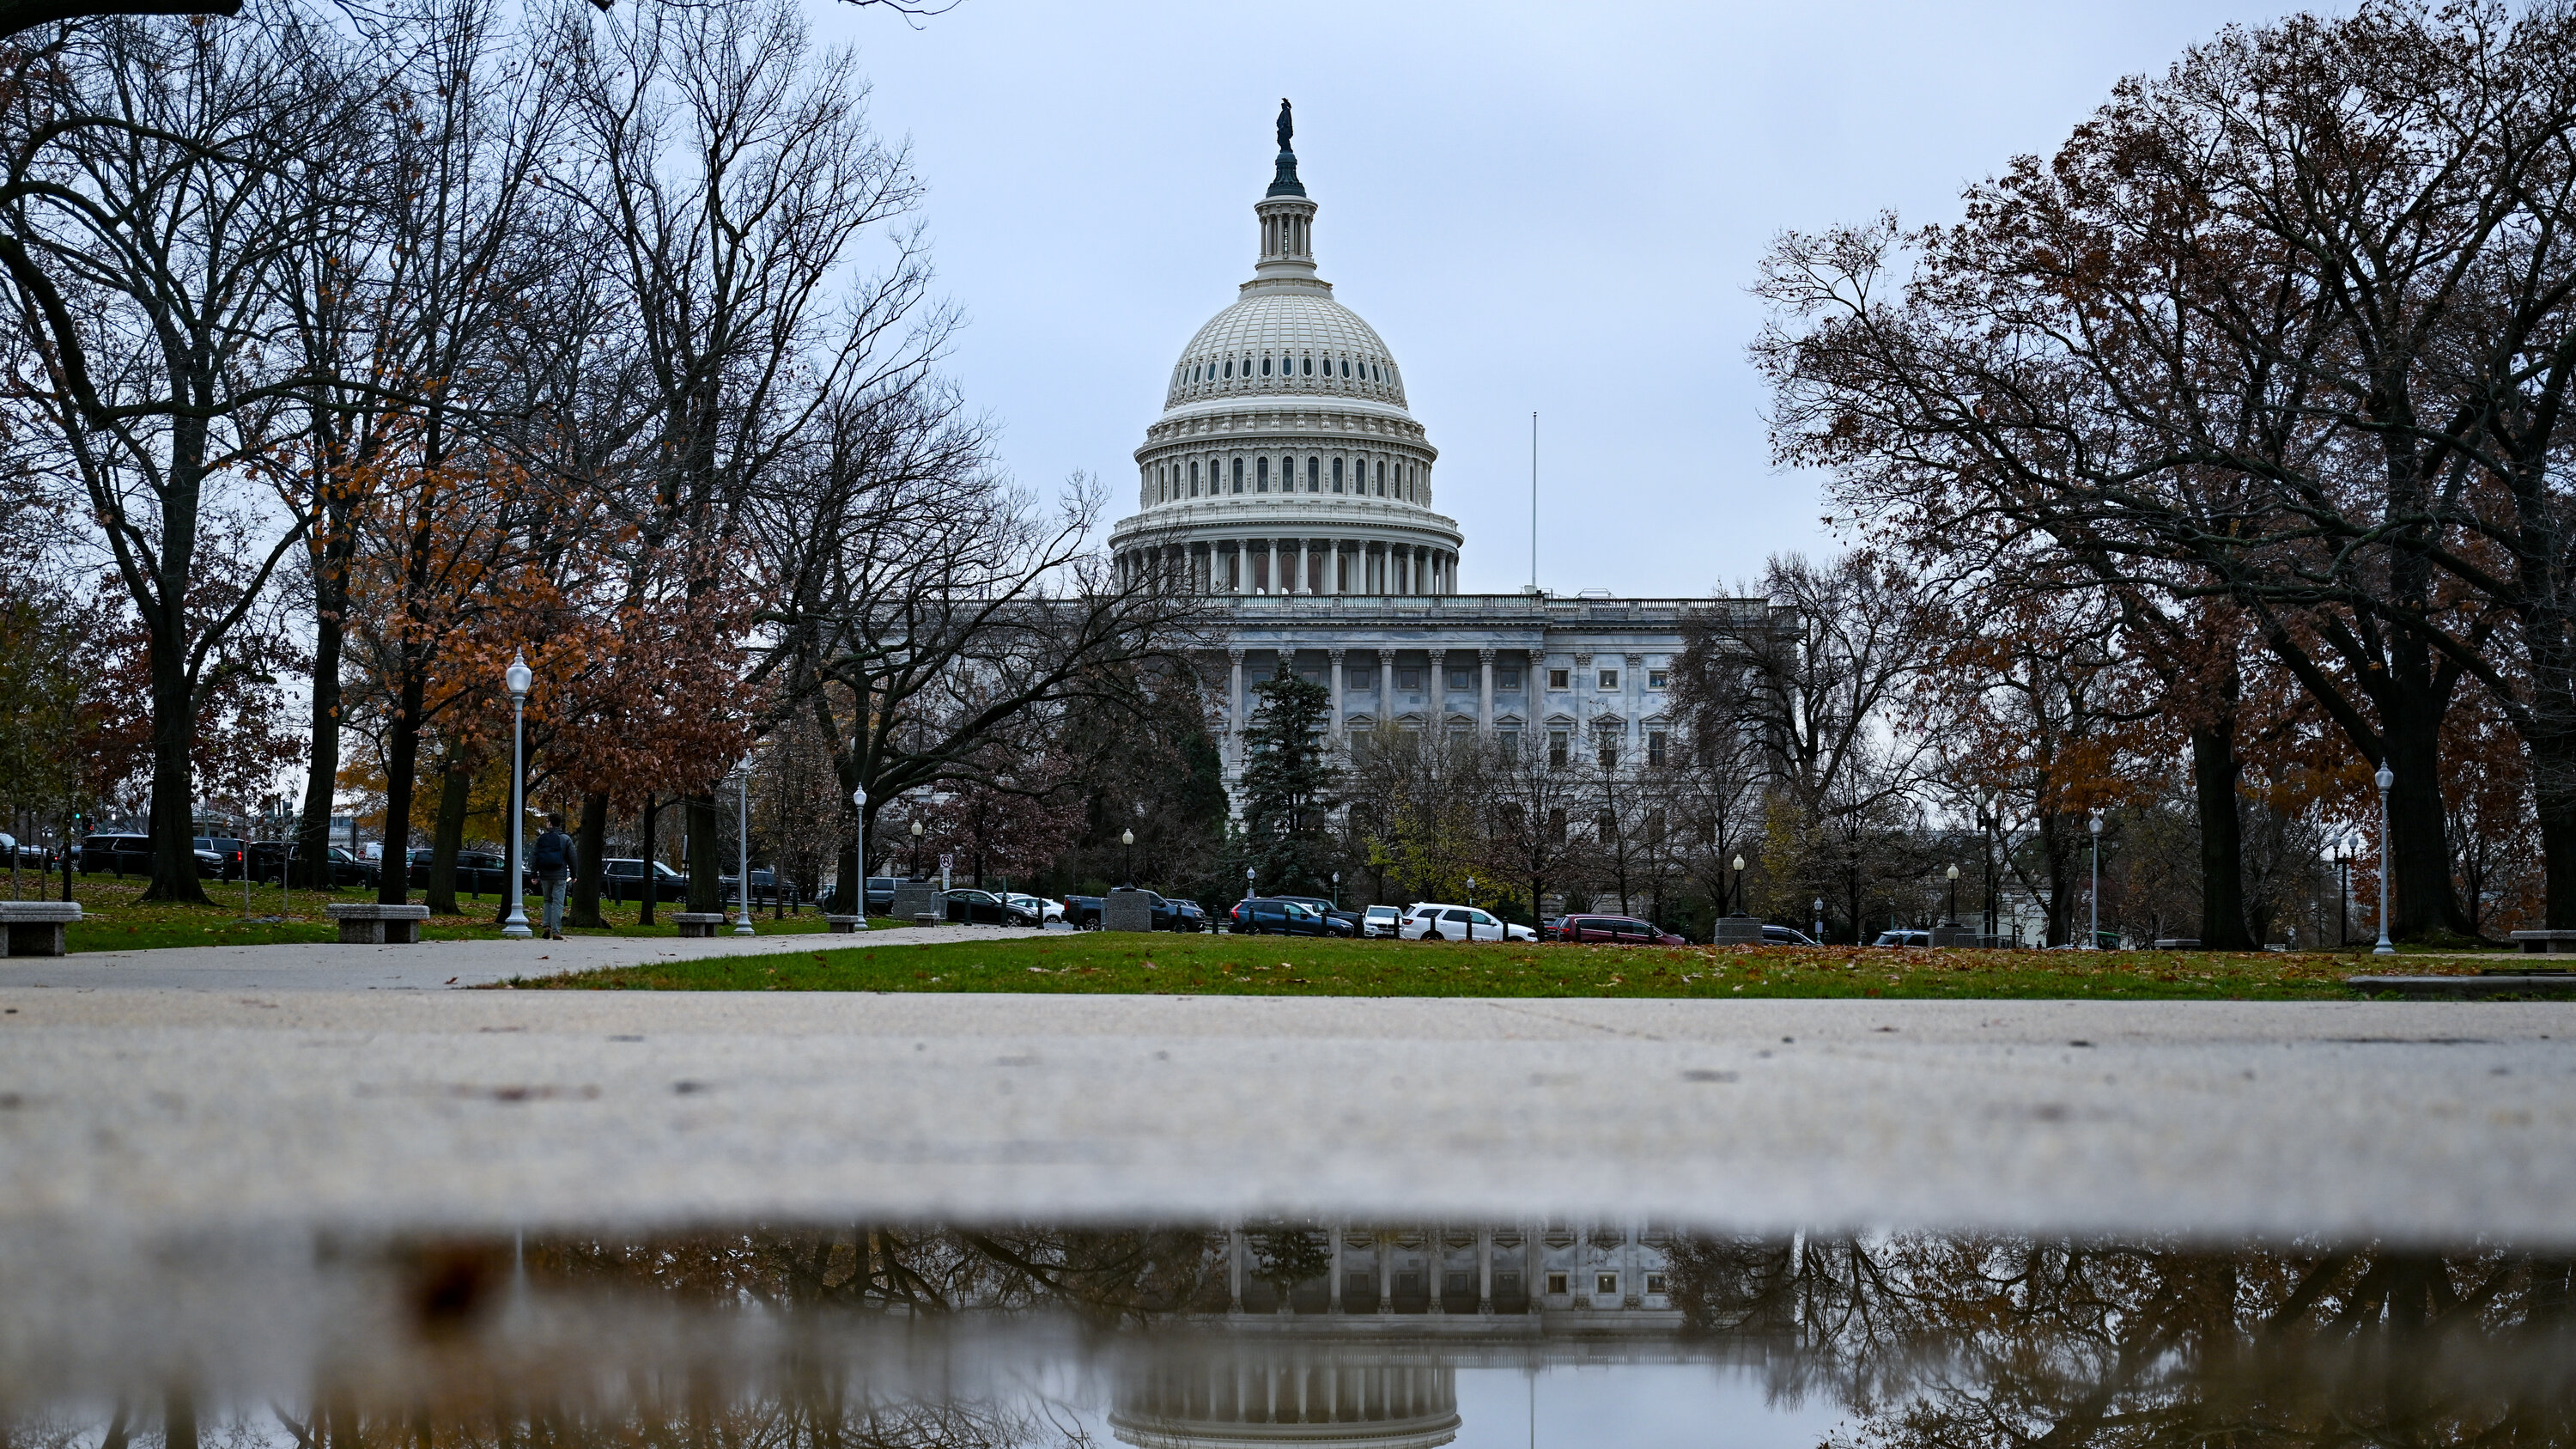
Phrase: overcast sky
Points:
(1553, 208)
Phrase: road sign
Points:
(947, 862)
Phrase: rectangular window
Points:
(1609, 679)
(1658, 678)
(1605, 1285)
(1605, 826)
(1556, 679)
(1363, 677)
(1654, 1282)
(1655, 747)
(1507, 679)
(1458, 679)
(1408, 679)
(1510, 743)
(1507, 1285)
(1359, 1288)
(1556, 743)
(1610, 749)
(1556, 1283)
(1556, 825)
(1457, 1283)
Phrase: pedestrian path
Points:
(429, 965)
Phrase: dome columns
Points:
(1290, 563)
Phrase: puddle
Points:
(1278, 1333)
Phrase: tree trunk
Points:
(706, 853)
(652, 879)
(590, 847)
(447, 837)
(178, 1419)
(322, 779)
(2422, 902)
(2214, 772)
(174, 805)
(402, 771)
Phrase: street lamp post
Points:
(1954, 896)
(2343, 893)
(1989, 817)
(2385, 778)
(1127, 838)
(2093, 825)
(742, 847)
(1820, 920)
(859, 862)
(1337, 890)
(916, 850)
(1738, 863)
(517, 677)
(1247, 882)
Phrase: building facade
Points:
(1287, 480)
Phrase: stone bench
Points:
(698, 923)
(2545, 943)
(2178, 943)
(35, 928)
(372, 924)
(844, 925)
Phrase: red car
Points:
(1612, 930)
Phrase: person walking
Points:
(552, 861)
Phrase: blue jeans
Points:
(552, 882)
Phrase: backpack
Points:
(551, 853)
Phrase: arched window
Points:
(1229, 367)
(1194, 478)
(1346, 367)
(1238, 475)
(1314, 475)
(1310, 367)
(1337, 475)
(1261, 475)
(1381, 477)
(1265, 367)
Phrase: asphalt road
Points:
(265, 1105)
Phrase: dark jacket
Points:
(552, 854)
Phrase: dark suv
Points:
(267, 858)
(1280, 916)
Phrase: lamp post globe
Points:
(916, 850)
(1954, 895)
(1127, 838)
(1820, 920)
(1337, 890)
(2385, 778)
(517, 678)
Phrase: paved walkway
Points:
(429, 965)
(176, 1111)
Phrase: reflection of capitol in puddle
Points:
(1261, 1396)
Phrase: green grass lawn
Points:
(115, 917)
(1275, 966)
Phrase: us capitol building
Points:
(1287, 480)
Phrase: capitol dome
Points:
(1285, 461)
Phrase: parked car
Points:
(623, 880)
(1280, 916)
(764, 887)
(1903, 938)
(1614, 930)
(1784, 936)
(268, 858)
(219, 856)
(478, 872)
(27, 855)
(1548, 926)
(1083, 913)
(1381, 921)
(118, 854)
(983, 908)
(1328, 908)
(1047, 910)
(1440, 921)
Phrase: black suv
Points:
(267, 858)
(117, 854)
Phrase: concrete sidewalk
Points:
(430, 965)
(177, 1111)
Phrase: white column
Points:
(1234, 1270)
(1274, 567)
(1336, 656)
(1334, 1297)
(1234, 694)
(1534, 1263)
(1435, 1265)
(1333, 566)
(1485, 694)
(1385, 1271)
(1485, 1269)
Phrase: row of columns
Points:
(1286, 1390)
(1235, 701)
(1276, 566)
(1533, 1247)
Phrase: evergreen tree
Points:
(1288, 784)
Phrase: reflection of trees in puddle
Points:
(1958, 1340)
(875, 1337)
